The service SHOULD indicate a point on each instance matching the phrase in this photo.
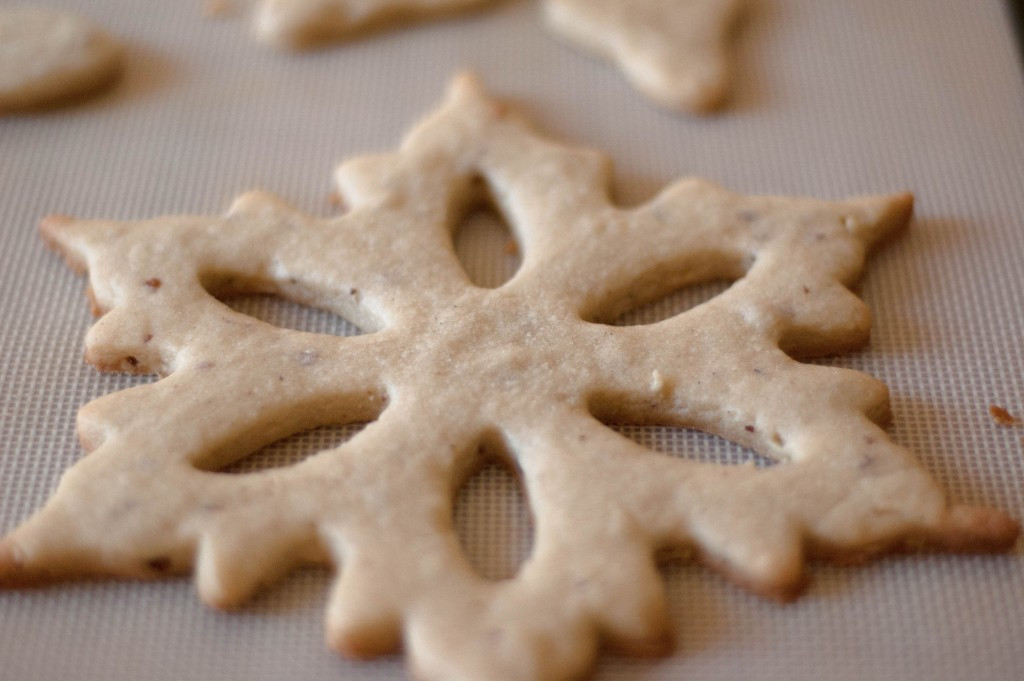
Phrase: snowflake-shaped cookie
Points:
(528, 371)
(300, 23)
(674, 51)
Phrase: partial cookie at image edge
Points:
(52, 58)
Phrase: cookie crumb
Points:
(1001, 416)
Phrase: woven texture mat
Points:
(831, 99)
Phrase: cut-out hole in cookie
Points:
(492, 522)
(695, 445)
(673, 304)
(484, 244)
(294, 449)
(288, 315)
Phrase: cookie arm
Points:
(132, 506)
(696, 232)
(351, 266)
(863, 494)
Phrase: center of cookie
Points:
(494, 343)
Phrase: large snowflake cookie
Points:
(674, 51)
(528, 371)
(48, 56)
(301, 23)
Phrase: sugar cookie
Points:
(527, 371)
(48, 56)
(674, 51)
(304, 23)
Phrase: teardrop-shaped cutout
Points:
(486, 247)
(290, 315)
(673, 304)
(294, 449)
(694, 445)
(492, 521)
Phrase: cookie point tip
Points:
(884, 217)
(247, 200)
(466, 83)
(903, 205)
(973, 529)
(660, 643)
(51, 224)
(787, 589)
(12, 569)
(985, 530)
(356, 646)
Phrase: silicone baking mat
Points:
(831, 99)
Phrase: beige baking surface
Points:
(832, 99)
